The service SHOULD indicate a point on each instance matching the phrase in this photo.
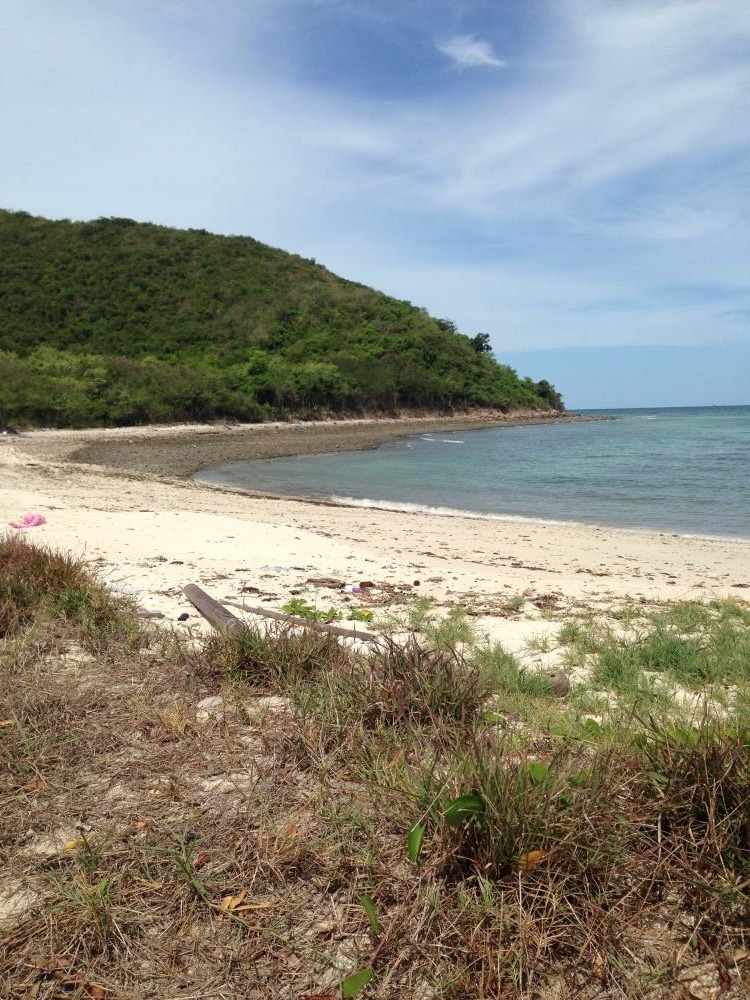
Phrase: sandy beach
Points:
(150, 534)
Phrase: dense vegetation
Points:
(118, 322)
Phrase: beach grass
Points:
(273, 814)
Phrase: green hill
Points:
(115, 322)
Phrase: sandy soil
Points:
(149, 535)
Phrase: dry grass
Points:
(331, 814)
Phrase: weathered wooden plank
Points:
(216, 613)
(212, 611)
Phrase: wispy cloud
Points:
(468, 51)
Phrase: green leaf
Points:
(372, 914)
(414, 841)
(538, 771)
(463, 808)
(492, 718)
(580, 779)
(592, 728)
(352, 985)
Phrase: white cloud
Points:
(468, 51)
(561, 207)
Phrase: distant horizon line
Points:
(683, 406)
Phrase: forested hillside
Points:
(115, 322)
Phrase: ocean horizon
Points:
(684, 470)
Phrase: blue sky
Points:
(570, 176)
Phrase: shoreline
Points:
(149, 536)
(179, 451)
(448, 513)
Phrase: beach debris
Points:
(331, 582)
(214, 613)
(29, 521)
(275, 568)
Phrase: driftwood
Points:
(212, 611)
(223, 620)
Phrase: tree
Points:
(481, 343)
(550, 394)
(447, 325)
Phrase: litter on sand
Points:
(29, 521)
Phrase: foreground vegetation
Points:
(414, 821)
(114, 322)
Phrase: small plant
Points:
(411, 683)
(38, 585)
(514, 603)
(274, 658)
(92, 901)
(691, 644)
(507, 675)
(405, 686)
(504, 813)
(360, 615)
(582, 636)
(418, 614)
(451, 631)
(702, 776)
(441, 633)
(299, 607)
(539, 644)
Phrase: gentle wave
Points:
(473, 515)
(418, 508)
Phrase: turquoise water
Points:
(679, 470)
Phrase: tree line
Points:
(115, 322)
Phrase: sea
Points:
(678, 470)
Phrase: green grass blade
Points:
(354, 984)
(372, 914)
(414, 842)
